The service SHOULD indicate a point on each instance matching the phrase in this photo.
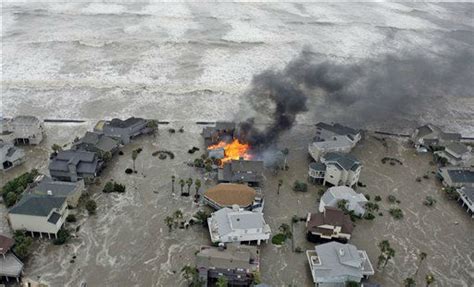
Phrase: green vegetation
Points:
(12, 190)
(201, 217)
(396, 213)
(386, 253)
(352, 284)
(22, 244)
(71, 218)
(191, 275)
(429, 279)
(222, 281)
(279, 239)
(451, 193)
(114, 187)
(409, 282)
(56, 148)
(378, 198)
(429, 201)
(371, 206)
(300, 186)
(391, 198)
(62, 237)
(91, 206)
(369, 216)
(134, 158)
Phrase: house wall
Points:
(73, 199)
(240, 235)
(37, 223)
(339, 177)
(34, 132)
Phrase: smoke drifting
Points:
(382, 90)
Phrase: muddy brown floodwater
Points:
(128, 244)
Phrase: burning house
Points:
(222, 131)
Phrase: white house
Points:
(39, 213)
(466, 196)
(22, 130)
(333, 138)
(355, 201)
(10, 156)
(333, 264)
(457, 176)
(237, 225)
(341, 169)
(455, 153)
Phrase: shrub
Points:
(300, 186)
(429, 201)
(321, 192)
(71, 218)
(279, 239)
(129, 171)
(120, 188)
(62, 237)
(378, 198)
(91, 206)
(298, 250)
(22, 244)
(10, 199)
(369, 216)
(367, 196)
(109, 187)
(120, 152)
(397, 213)
(391, 198)
(418, 179)
(426, 176)
(17, 186)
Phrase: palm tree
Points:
(429, 279)
(409, 282)
(173, 178)
(189, 182)
(169, 222)
(134, 158)
(280, 183)
(285, 151)
(197, 185)
(182, 183)
(386, 253)
(422, 257)
(222, 281)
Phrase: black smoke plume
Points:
(383, 90)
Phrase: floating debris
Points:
(163, 154)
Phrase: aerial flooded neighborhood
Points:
(180, 144)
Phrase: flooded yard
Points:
(127, 242)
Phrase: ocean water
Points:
(195, 61)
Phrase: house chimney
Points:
(221, 246)
(235, 207)
(49, 192)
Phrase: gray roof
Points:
(58, 188)
(468, 192)
(343, 161)
(233, 256)
(10, 152)
(337, 129)
(37, 205)
(336, 193)
(100, 141)
(317, 166)
(85, 162)
(126, 123)
(242, 171)
(457, 147)
(10, 265)
(461, 175)
(338, 260)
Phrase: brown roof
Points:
(5, 244)
(228, 194)
(331, 216)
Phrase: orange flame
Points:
(233, 150)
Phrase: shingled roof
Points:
(37, 205)
(5, 244)
(228, 194)
(331, 216)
